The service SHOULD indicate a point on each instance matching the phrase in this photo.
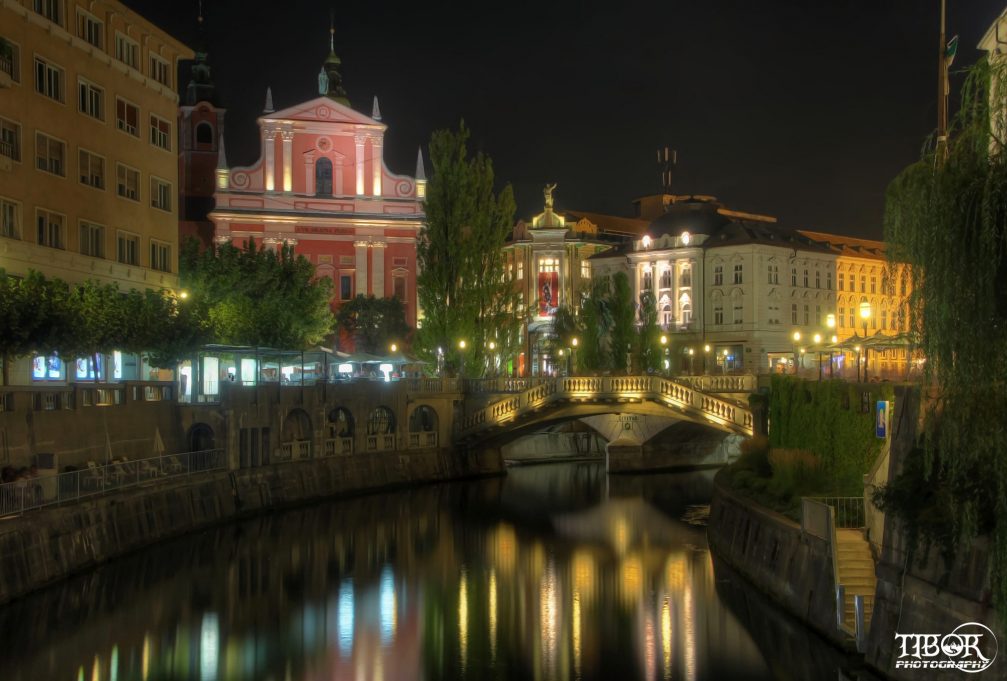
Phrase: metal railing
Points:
(32, 493)
(850, 513)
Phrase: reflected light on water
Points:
(493, 614)
(387, 605)
(145, 657)
(689, 615)
(113, 665)
(345, 617)
(631, 573)
(96, 669)
(463, 619)
(650, 654)
(209, 647)
(584, 575)
(666, 636)
(503, 548)
(576, 633)
(549, 615)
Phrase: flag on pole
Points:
(950, 51)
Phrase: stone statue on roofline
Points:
(548, 195)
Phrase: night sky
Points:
(803, 109)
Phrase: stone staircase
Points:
(855, 566)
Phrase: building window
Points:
(51, 10)
(90, 99)
(863, 283)
(585, 269)
(89, 29)
(399, 288)
(884, 319)
(818, 315)
(160, 133)
(127, 182)
(738, 270)
(127, 51)
(718, 315)
(345, 286)
(874, 284)
(648, 280)
(807, 316)
(10, 219)
(127, 250)
(686, 314)
(160, 256)
(92, 169)
(127, 117)
(828, 280)
(818, 279)
(92, 239)
(685, 278)
(666, 279)
(10, 139)
(10, 60)
(718, 275)
(850, 317)
(793, 313)
(738, 313)
(805, 278)
(520, 267)
(793, 276)
(160, 71)
(842, 281)
(160, 194)
(667, 316)
(773, 275)
(323, 177)
(48, 79)
(839, 316)
(50, 229)
(50, 154)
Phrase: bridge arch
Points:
(422, 419)
(296, 436)
(341, 423)
(200, 438)
(381, 421)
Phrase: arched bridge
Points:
(574, 396)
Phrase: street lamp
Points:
(830, 321)
(573, 354)
(461, 365)
(724, 353)
(706, 353)
(818, 343)
(692, 368)
(664, 353)
(797, 340)
(394, 347)
(865, 314)
(491, 358)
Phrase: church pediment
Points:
(323, 110)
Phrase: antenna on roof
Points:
(667, 159)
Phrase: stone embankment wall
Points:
(771, 552)
(48, 545)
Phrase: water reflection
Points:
(543, 575)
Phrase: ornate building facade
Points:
(321, 185)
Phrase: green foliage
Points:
(649, 351)
(825, 418)
(596, 317)
(624, 331)
(374, 323)
(257, 297)
(946, 216)
(462, 289)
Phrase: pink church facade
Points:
(321, 185)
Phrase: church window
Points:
(204, 134)
(323, 177)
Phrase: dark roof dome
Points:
(693, 214)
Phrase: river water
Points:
(553, 572)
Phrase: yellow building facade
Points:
(88, 146)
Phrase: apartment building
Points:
(88, 158)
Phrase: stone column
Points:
(376, 165)
(269, 162)
(288, 171)
(378, 268)
(359, 163)
(309, 173)
(360, 248)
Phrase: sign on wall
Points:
(548, 293)
(881, 415)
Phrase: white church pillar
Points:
(376, 165)
(288, 171)
(359, 163)
(378, 274)
(269, 163)
(360, 249)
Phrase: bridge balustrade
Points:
(423, 439)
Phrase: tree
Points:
(624, 332)
(946, 216)
(463, 292)
(254, 296)
(373, 323)
(648, 342)
(596, 317)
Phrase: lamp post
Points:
(491, 358)
(818, 344)
(706, 354)
(830, 321)
(664, 355)
(797, 340)
(692, 368)
(573, 354)
(461, 364)
(865, 314)
(724, 365)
